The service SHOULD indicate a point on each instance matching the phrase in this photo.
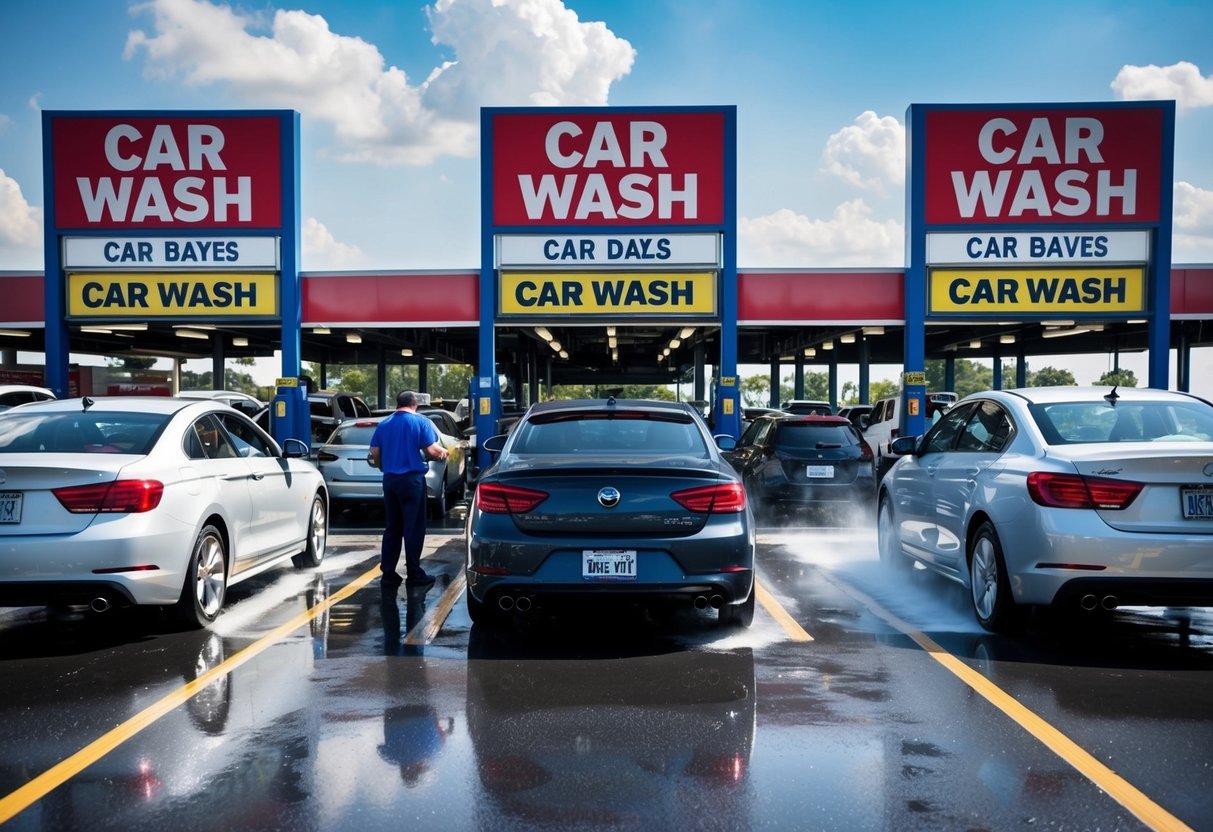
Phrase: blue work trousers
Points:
(404, 521)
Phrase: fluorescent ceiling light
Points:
(190, 333)
(130, 327)
(611, 331)
(353, 338)
(555, 345)
(321, 330)
(1059, 333)
(14, 333)
(612, 342)
(686, 332)
(827, 345)
(406, 352)
(848, 338)
(974, 345)
(1006, 339)
(810, 351)
(97, 330)
(873, 330)
(675, 343)
(239, 342)
(564, 354)
(542, 332)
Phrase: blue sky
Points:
(389, 94)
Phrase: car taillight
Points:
(725, 498)
(120, 496)
(865, 451)
(496, 498)
(1076, 491)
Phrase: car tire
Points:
(739, 615)
(478, 611)
(439, 506)
(317, 536)
(989, 588)
(205, 586)
(886, 536)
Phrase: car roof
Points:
(13, 388)
(817, 420)
(622, 404)
(141, 404)
(1070, 393)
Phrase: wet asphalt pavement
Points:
(855, 701)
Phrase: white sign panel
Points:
(195, 253)
(623, 251)
(994, 248)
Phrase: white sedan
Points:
(1076, 497)
(149, 501)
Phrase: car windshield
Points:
(810, 435)
(358, 433)
(80, 432)
(1065, 423)
(615, 433)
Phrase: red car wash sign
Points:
(1044, 166)
(167, 171)
(651, 168)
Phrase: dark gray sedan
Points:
(610, 500)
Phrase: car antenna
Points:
(87, 402)
(1113, 396)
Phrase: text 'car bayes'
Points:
(612, 501)
(149, 501)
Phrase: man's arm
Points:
(373, 457)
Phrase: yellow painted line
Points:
(61, 772)
(423, 631)
(790, 626)
(1121, 790)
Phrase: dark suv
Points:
(792, 462)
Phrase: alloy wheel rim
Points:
(984, 578)
(209, 580)
(319, 529)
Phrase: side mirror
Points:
(295, 448)
(903, 445)
(725, 442)
(863, 422)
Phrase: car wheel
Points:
(317, 536)
(205, 581)
(990, 589)
(478, 611)
(739, 615)
(439, 505)
(886, 536)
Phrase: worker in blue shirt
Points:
(400, 447)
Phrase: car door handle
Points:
(257, 476)
(931, 469)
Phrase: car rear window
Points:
(616, 433)
(1067, 423)
(105, 432)
(810, 435)
(356, 434)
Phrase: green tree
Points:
(882, 389)
(756, 391)
(1120, 378)
(1051, 377)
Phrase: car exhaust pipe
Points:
(506, 603)
(716, 601)
(1110, 602)
(701, 602)
(523, 604)
(99, 604)
(1089, 602)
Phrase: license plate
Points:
(608, 564)
(821, 472)
(1197, 503)
(10, 506)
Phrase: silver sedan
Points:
(157, 501)
(1079, 498)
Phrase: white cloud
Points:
(507, 52)
(870, 154)
(1181, 81)
(20, 228)
(321, 250)
(850, 238)
(1192, 225)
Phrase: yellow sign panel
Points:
(286, 381)
(1002, 291)
(171, 295)
(547, 293)
(912, 377)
